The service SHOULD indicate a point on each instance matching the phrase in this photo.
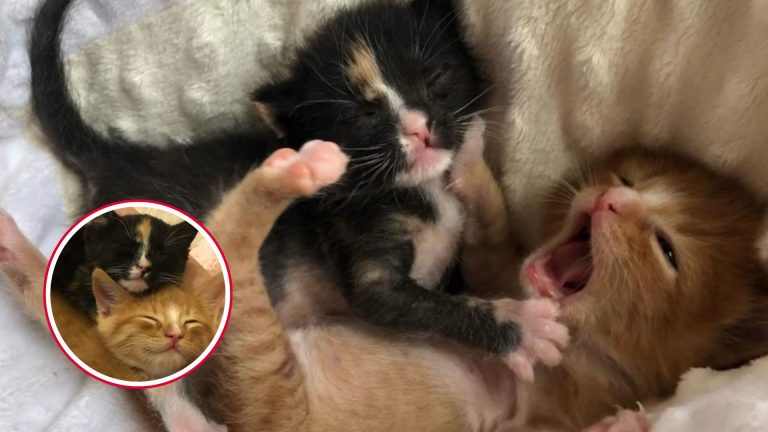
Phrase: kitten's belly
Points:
(310, 294)
(361, 379)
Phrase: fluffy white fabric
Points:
(572, 80)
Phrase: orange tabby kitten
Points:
(654, 267)
(159, 333)
(656, 270)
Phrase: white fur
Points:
(437, 244)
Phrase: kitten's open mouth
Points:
(565, 268)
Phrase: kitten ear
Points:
(182, 234)
(271, 102)
(107, 292)
(100, 222)
(105, 219)
(211, 294)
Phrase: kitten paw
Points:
(542, 336)
(623, 421)
(315, 165)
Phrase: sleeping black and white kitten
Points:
(140, 252)
(394, 86)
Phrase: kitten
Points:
(162, 332)
(140, 252)
(394, 86)
(332, 377)
(654, 264)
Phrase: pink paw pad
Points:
(542, 336)
(315, 165)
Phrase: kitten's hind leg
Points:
(261, 384)
(22, 266)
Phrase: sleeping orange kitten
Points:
(160, 333)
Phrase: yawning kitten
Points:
(394, 86)
(140, 252)
(656, 270)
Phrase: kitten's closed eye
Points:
(624, 180)
(149, 319)
(436, 76)
(191, 322)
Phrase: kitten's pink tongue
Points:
(570, 265)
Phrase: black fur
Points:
(110, 243)
(352, 224)
(191, 177)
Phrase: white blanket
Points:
(585, 76)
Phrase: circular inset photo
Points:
(137, 294)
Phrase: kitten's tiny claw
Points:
(543, 337)
(623, 421)
(315, 165)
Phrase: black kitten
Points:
(394, 86)
(140, 252)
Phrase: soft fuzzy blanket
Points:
(572, 80)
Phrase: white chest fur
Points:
(437, 243)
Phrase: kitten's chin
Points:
(429, 164)
(134, 285)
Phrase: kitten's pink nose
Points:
(174, 333)
(415, 127)
(621, 201)
(142, 268)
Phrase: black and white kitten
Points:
(394, 86)
(140, 252)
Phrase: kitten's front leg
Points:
(521, 332)
(489, 255)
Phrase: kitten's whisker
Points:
(463, 107)
(321, 101)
